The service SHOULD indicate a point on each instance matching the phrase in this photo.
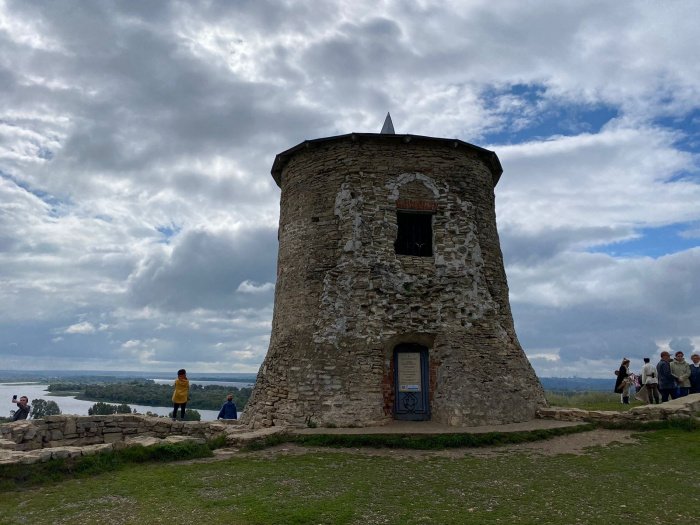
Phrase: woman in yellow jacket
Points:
(181, 393)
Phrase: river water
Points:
(70, 405)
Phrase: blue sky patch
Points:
(57, 205)
(168, 232)
(655, 242)
(536, 116)
(688, 125)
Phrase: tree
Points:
(190, 415)
(105, 409)
(42, 408)
(123, 409)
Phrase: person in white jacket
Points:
(650, 381)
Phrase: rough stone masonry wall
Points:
(686, 407)
(78, 431)
(344, 299)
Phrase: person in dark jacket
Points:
(228, 410)
(623, 381)
(695, 373)
(667, 383)
(23, 408)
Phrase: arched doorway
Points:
(411, 382)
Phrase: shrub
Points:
(42, 408)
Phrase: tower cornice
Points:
(487, 156)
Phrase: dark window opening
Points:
(415, 235)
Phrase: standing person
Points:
(23, 408)
(228, 409)
(622, 382)
(667, 383)
(695, 373)
(181, 393)
(681, 372)
(650, 381)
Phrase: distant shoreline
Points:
(29, 376)
(15, 376)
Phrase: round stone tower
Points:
(391, 299)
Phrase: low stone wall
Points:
(59, 437)
(80, 431)
(681, 408)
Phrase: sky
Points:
(138, 217)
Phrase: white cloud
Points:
(251, 287)
(136, 141)
(80, 328)
(619, 176)
(549, 355)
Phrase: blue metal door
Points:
(411, 383)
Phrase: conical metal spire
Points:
(388, 127)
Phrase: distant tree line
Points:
(67, 387)
(148, 392)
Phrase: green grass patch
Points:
(416, 441)
(346, 487)
(20, 476)
(686, 424)
(590, 400)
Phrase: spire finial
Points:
(388, 127)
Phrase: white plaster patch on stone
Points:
(394, 185)
(348, 208)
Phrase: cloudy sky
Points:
(138, 216)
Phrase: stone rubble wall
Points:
(681, 408)
(61, 437)
(81, 431)
(344, 299)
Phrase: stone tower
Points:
(391, 299)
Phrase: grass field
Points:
(652, 481)
(590, 400)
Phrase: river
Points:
(71, 405)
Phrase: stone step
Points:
(248, 436)
(7, 444)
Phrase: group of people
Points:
(670, 378)
(181, 396)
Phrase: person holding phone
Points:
(23, 408)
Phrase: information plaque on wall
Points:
(409, 372)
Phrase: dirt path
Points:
(569, 444)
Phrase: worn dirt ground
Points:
(569, 444)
